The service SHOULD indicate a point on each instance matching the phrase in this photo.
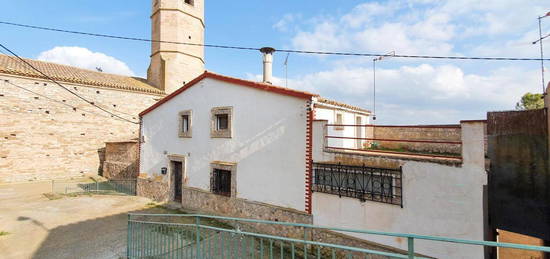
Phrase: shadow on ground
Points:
(103, 237)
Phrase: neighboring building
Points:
(48, 133)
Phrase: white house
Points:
(235, 138)
(251, 149)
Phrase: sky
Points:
(408, 91)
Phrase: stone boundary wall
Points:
(153, 189)
(42, 137)
(426, 132)
(121, 160)
(209, 203)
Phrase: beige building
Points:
(47, 132)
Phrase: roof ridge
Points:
(72, 74)
(72, 67)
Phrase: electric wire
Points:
(278, 50)
(60, 85)
(52, 99)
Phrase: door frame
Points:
(172, 175)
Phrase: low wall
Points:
(153, 189)
(121, 160)
(208, 203)
(426, 132)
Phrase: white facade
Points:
(339, 115)
(268, 143)
(438, 200)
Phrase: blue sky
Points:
(408, 91)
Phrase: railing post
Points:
(96, 186)
(198, 236)
(410, 243)
(128, 238)
(305, 245)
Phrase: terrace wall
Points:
(440, 198)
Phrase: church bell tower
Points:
(173, 65)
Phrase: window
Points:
(221, 122)
(364, 183)
(184, 124)
(339, 121)
(223, 179)
(221, 182)
(190, 2)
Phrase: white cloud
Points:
(441, 92)
(423, 93)
(418, 27)
(287, 22)
(84, 58)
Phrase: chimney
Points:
(268, 64)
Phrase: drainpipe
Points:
(268, 64)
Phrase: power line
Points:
(51, 99)
(279, 50)
(60, 85)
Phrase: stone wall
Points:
(43, 137)
(153, 189)
(436, 133)
(205, 202)
(121, 160)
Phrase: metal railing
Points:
(127, 187)
(361, 182)
(371, 144)
(161, 236)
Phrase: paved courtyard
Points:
(69, 227)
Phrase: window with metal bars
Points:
(221, 182)
(364, 183)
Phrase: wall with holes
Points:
(440, 198)
(47, 133)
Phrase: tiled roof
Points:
(237, 81)
(343, 105)
(68, 74)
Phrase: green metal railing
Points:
(127, 187)
(193, 236)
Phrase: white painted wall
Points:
(268, 144)
(349, 118)
(438, 200)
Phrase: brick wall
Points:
(43, 137)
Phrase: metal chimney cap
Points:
(267, 50)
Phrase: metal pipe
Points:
(268, 64)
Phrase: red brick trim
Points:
(309, 157)
(139, 148)
(257, 85)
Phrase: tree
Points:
(530, 101)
